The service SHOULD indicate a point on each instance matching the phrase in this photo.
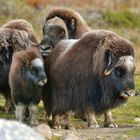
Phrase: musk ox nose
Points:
(42, 82)
(128, 93)
(45, 50)
(42, 47)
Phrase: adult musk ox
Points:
(93, 74)
(11, 40)
(76, 25)
(26, 78)
(54, 30)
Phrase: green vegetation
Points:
(122, 18)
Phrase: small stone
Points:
(44, 130)
(137, 120)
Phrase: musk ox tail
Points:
(75, 23)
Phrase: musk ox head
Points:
(29, 64)
(54, 30)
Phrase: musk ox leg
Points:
(57, 121)
(109, 120)
(20, 109)
(49, 117)
(9, 106)
(47, 106)
(33, 110)
(91, 118)
(66, 122)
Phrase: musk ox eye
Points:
(62, 33)
(120, 72)
(34, 71)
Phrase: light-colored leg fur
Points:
(33, 110)
(20, 109)
(65, 121)
(56, 120)
(91, 118)
(109, 120)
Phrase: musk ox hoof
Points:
(110, 125)
(57, 127)
(70, 127)
(49, 117)
(96, 125)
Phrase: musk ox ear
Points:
(109, 61)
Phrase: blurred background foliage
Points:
(121, 16)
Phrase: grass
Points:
(125, 18)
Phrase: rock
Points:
(137, 120)
(13, 130)
(71, 136)
(44, 130)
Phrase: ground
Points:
(126, 116)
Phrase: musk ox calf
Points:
(91, 75)
(54, 30)
(75, 24)
(26, 79)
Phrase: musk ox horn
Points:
(107, 72)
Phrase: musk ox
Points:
(54, 30)
(91, 75)
(26, 79)
(22, 25)
(76, 25)
(11, 40)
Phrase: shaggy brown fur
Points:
(22, 25)
(26, 79)
(16, 39)
(75, 23)
(89, 75)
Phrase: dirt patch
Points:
(98, 133)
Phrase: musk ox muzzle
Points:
(45, 49)
(126, 94)
(42, 82)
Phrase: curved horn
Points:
(107, 72)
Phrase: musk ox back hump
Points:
(22, 25)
